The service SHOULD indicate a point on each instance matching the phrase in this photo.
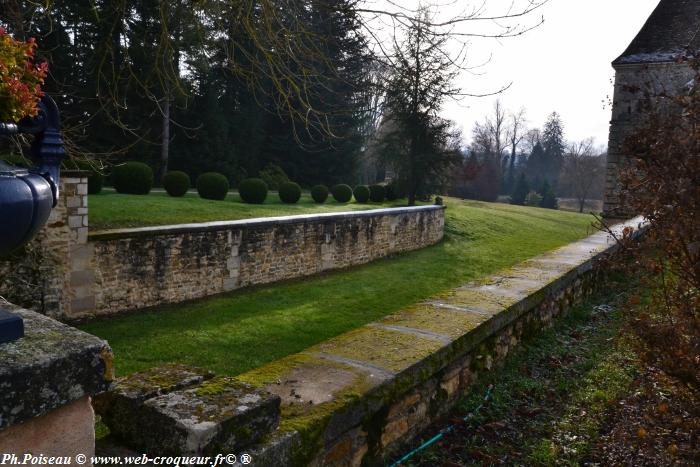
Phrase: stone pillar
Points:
(80, 299)
(48, 378)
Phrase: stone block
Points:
(73, 201)
(75, 221)
(82, 305)
(81, 278)
(179, 410)
(62, 433)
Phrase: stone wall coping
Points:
(52, 365)
(384, 359)
(252, 223)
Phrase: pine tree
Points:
(522, 188)
(554, 147)
(549, 199)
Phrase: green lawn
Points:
(239, 331)
(110, 210)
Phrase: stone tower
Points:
(649, 63)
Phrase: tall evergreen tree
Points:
(420, 145)
(522, 188)
(554, 147)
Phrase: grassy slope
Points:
(110, 210)
(245, 329)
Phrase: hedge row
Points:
(137, 178)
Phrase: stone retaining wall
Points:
(70, 274)
(361, 397)
(136, 268)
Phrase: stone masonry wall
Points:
(360, 398)
(135, 268)
(40, 275)
(631, 83)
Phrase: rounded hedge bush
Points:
(176, 183)
(377, 193)
(319, 193)
(133, 178)
(95, 182)
(253, 190)
(341, 192)
(212, 185)
(361, 193)
(289, 192)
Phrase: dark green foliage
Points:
(342, 193)
(212, 185)
(133, 178)
(361, 193)
(289, 192)
(95, 182)
(319, 193)
(176, 183)
(377, 193)
(422, 147)
(273, 176)
(395, 190)
(549, 199)
(522, 188)
(253, 190)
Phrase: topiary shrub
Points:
(341, 192)
(377, 193)
(361, 193)
(176, 183)
(134, 178)
(212, 185)
(95, 182)
(273, 176)
(289, 192)
(253, 190)
(319, 193)
(391, 194)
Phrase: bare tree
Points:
(532, 137)
(516, 134)
(583, 170)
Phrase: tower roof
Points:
(673, 26)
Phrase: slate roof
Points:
(672, 27)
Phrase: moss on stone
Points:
(214, 386)
(162, 379)
(384, 348)
(272, 372)
(432, 318)
(479, 300)
(312, 422)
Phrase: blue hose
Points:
(444, 431)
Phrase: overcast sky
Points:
(563, 65)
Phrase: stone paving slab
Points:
(444, 320)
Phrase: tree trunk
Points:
(165, 140)
(581, 202)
